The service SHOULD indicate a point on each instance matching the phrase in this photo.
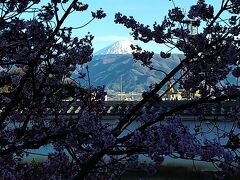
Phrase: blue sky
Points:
(107, 32)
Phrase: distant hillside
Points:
(115, 62)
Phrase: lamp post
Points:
(191, 26)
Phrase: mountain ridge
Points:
(115, 63)
(109, 69)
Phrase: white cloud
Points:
(112, 38)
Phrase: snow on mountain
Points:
(120, 47)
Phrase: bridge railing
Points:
(116, 108)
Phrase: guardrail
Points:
(113, 108)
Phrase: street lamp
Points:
(191, 25)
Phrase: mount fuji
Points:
(119, 47)
(114, 65)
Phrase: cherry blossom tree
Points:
(38, 55)
(209, 40)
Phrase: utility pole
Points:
(121, 88)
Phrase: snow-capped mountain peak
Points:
(119, 47)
